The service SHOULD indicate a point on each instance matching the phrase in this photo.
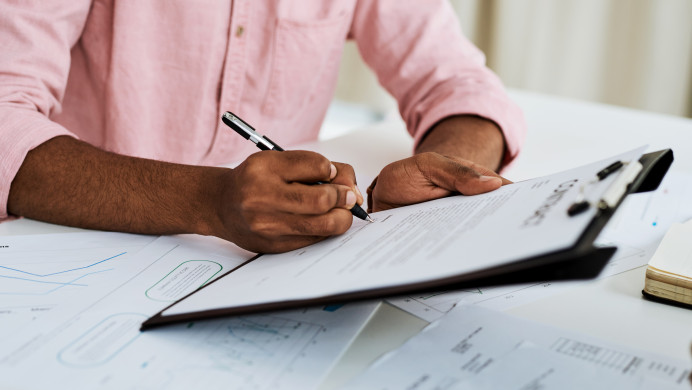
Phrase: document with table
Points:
(436, 244)
(475, 348)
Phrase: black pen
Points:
(264, 143)
(609, 170)
(581, 204)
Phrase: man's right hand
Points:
(269, 205)
(263, 205)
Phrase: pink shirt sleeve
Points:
(36, 38)
(422, 58)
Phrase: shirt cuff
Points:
(489, 105)
(21, 130)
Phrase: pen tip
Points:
(369, 219)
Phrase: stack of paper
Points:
(475, 348)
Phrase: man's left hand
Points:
(428, 176)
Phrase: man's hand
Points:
(269, 204)
(428, 176)
(452, 158)
(262, 205)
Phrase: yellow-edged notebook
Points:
(669, 274)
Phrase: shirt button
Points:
(239, 31)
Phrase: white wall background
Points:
(633, 53)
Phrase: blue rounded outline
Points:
(146, 293)
(64, 362)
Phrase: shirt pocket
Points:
(304, 53)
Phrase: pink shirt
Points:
(152, 78)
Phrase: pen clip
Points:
(615, 191)
(609, 170)
(248, 132)
(238, 125)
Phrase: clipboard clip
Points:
(614, 193)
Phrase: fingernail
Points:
(489, 178)
(360, 195)
(350, 198)
(332, 174)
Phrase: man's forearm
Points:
(69, 182)
(260, 205)
(470, 137)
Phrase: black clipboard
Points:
(581, 261)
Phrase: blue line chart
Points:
(65, 271)
(23, 282)
(41, 281)
(60, 284)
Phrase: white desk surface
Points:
(562, 133)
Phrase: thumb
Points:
(453, 176)
(480, 169)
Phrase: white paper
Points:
(467, 348)
(636, 230)
(41, 272)
(418, 243)
(674, 254)
(101, 347)
(531, 367)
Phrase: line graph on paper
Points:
(40, 272)
(35, 274)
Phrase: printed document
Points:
(41, 272)
(636, 230)
(477, 348)
(418, 243)
(101, 347)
